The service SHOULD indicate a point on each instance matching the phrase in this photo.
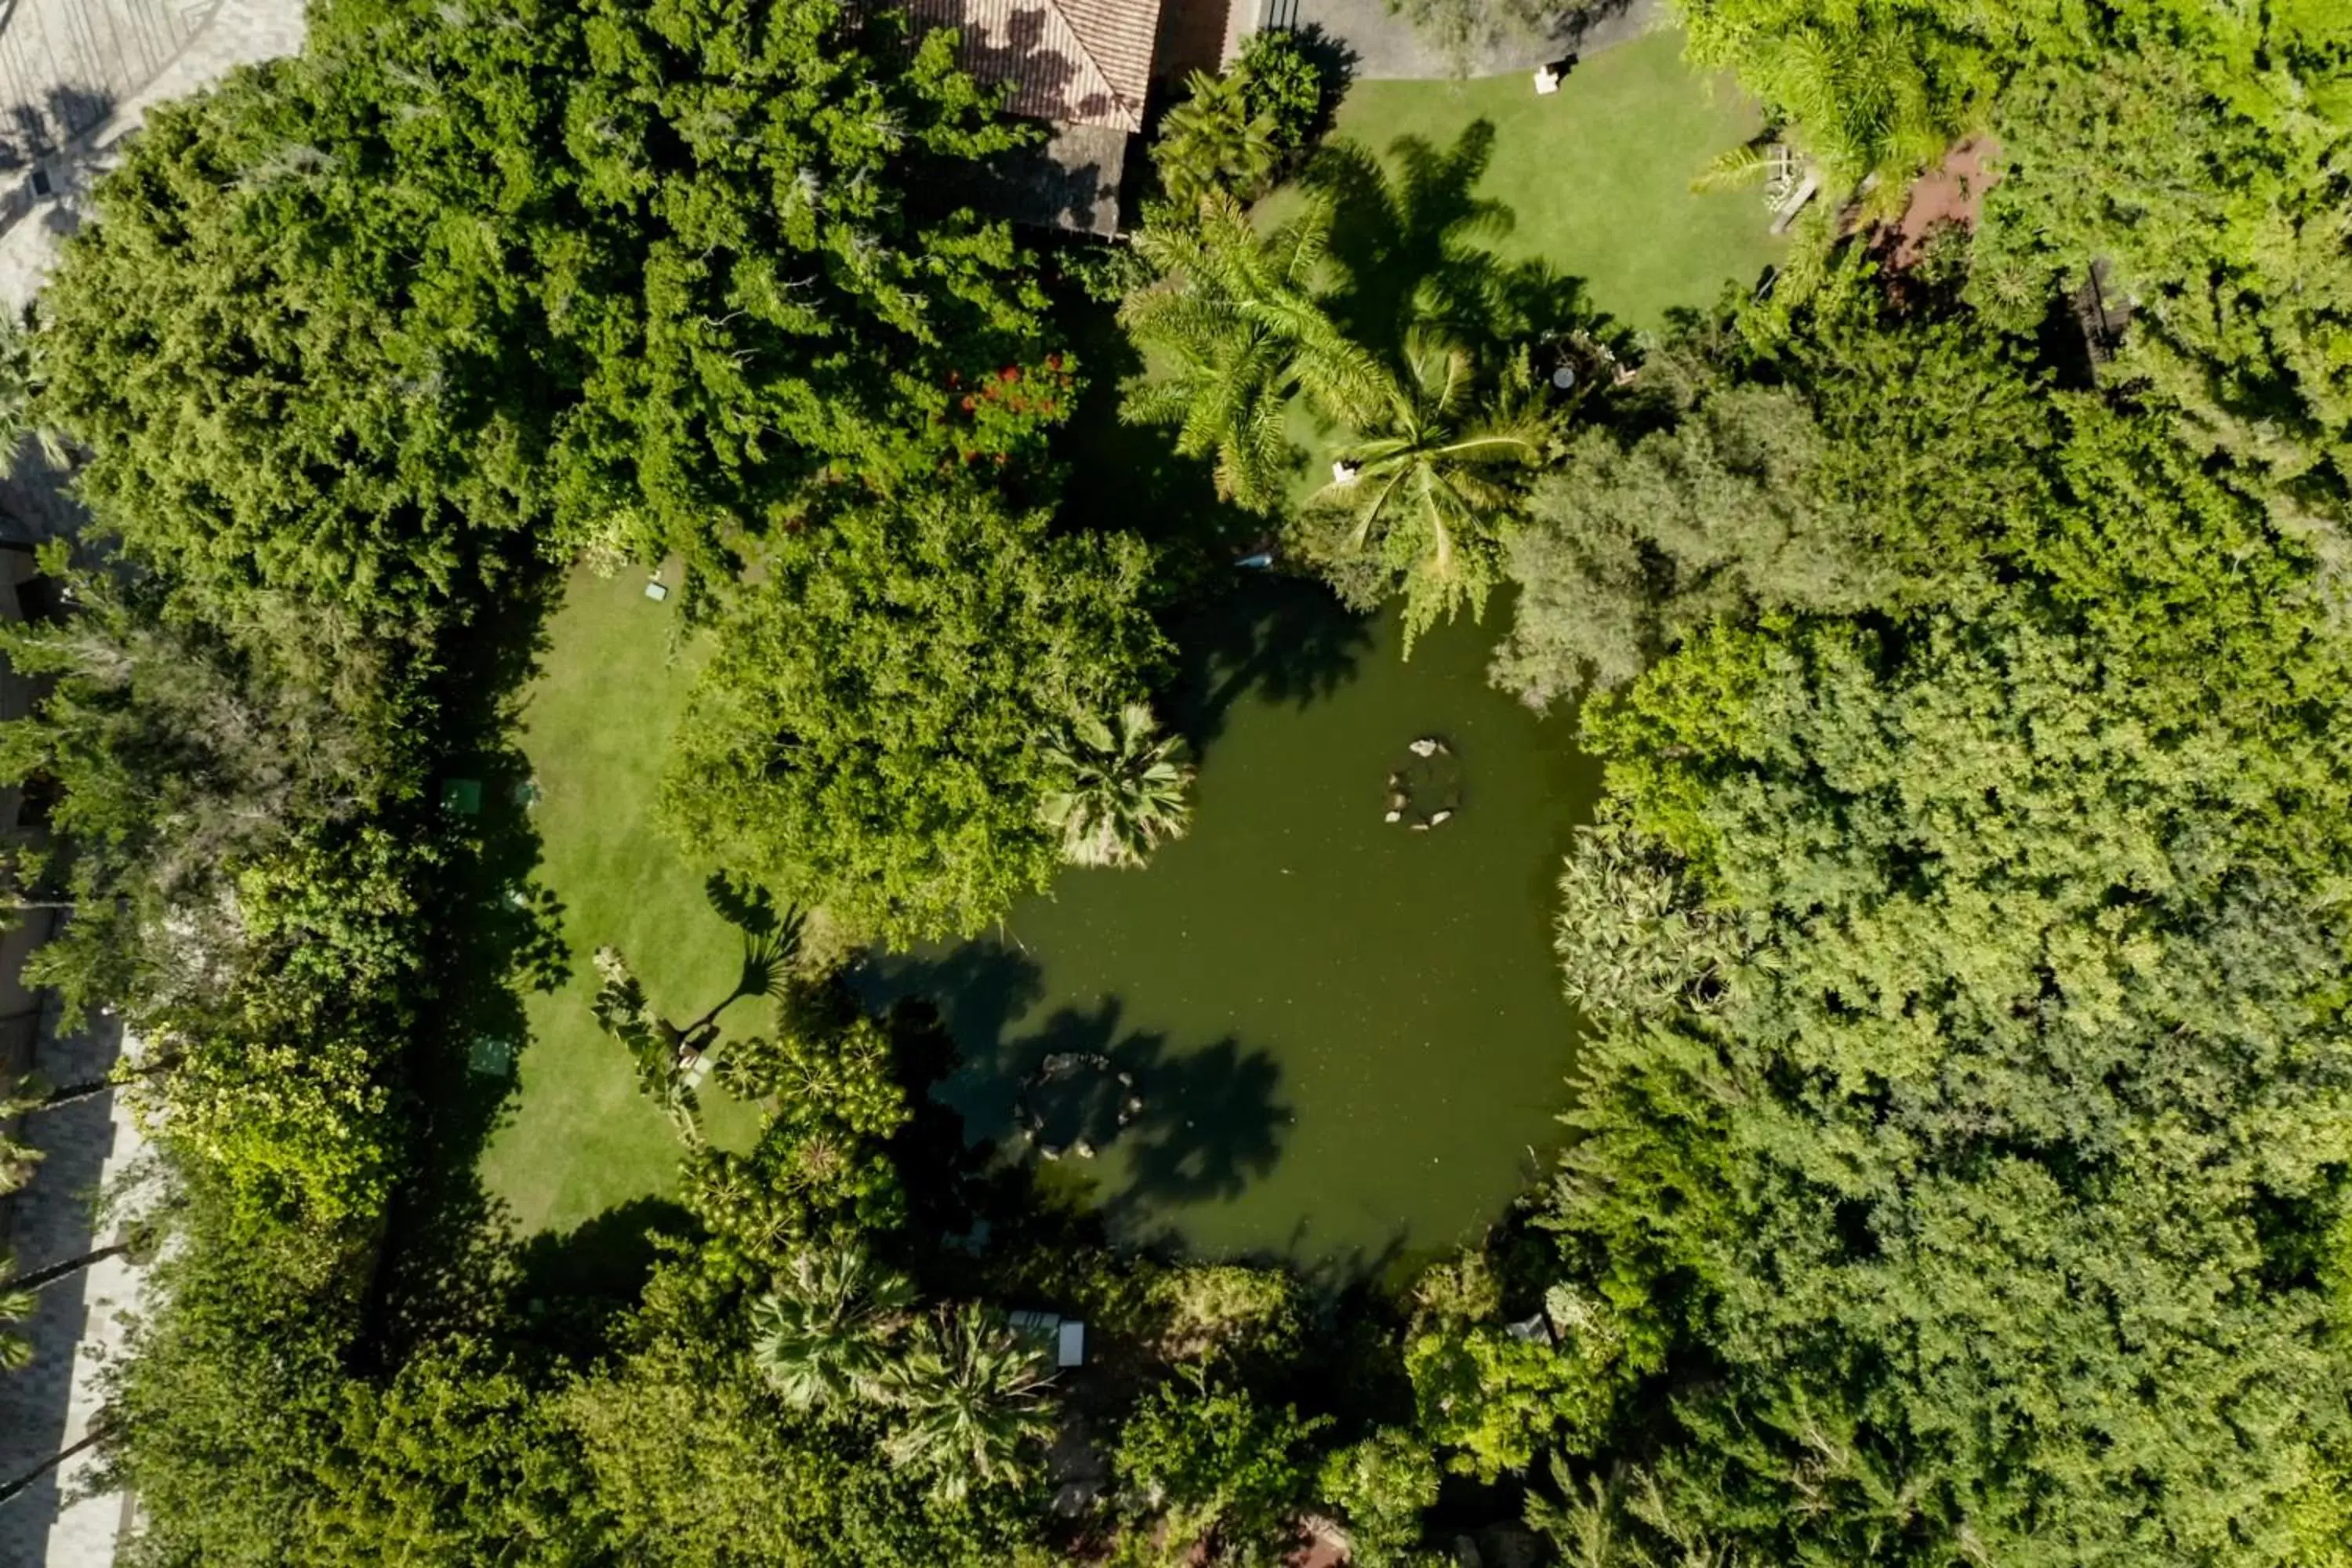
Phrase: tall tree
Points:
(869, 733)
(1430, 488)
(821, 1332)
(1232, 331)
(1874, 91)
(970, 1402)
(1122, 788)
(459, 284)
(1954, 1120)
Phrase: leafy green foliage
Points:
(1497, 1394)
(870, 733)
(1381, 1486)
(1878, 88)
(1219, 1468)
(2198, 153)
(457, 1460)
(1215, 141)
(1233, 328)
(1467, 34)
(179, 759)
(1234, 132)
(969, 1400)
(1849, 481)
(1961, 1164)
(618, 277)
(820, 1170)
(821, 1333)
(228, 1394)
(1427, 494)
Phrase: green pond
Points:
(1346, 1035)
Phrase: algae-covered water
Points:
(1347, 1036)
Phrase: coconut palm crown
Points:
(1232, 330)
(1125, 788)
(1430, 488)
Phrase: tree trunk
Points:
(96, 1434)
(57, 1271)
(72, 1093)
(90, 1088)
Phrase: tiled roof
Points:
(1079, 62)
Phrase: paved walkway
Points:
(1387, 47)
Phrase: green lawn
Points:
(596, 729)
(1597, 176)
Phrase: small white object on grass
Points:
(656, 590)
(1547, 80)
(1344, 472)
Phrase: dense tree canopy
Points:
(871, 732)
(613, 277)
(1961, 1158)
(2011, 1028)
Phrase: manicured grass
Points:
(1597, 176)
(596, 727)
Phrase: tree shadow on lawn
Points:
(493, 932)
(1414, 243)
(568, 1288)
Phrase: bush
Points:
(1224, 1471)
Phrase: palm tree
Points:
(20, 1298)
(1235, 328)
(1866, 93)
(1126, 788)
(1428, 489)
(1211, 142)
(823, 1332)
(972, 1398)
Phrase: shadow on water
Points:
(1170, 1124)
(1281, 639)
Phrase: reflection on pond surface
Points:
(1346, 1037)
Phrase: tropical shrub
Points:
(1233, 133)
(1124, 789)
(1381, 1487)
(1220, 1470)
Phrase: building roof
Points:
(1070, 181)
(1075, 62)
